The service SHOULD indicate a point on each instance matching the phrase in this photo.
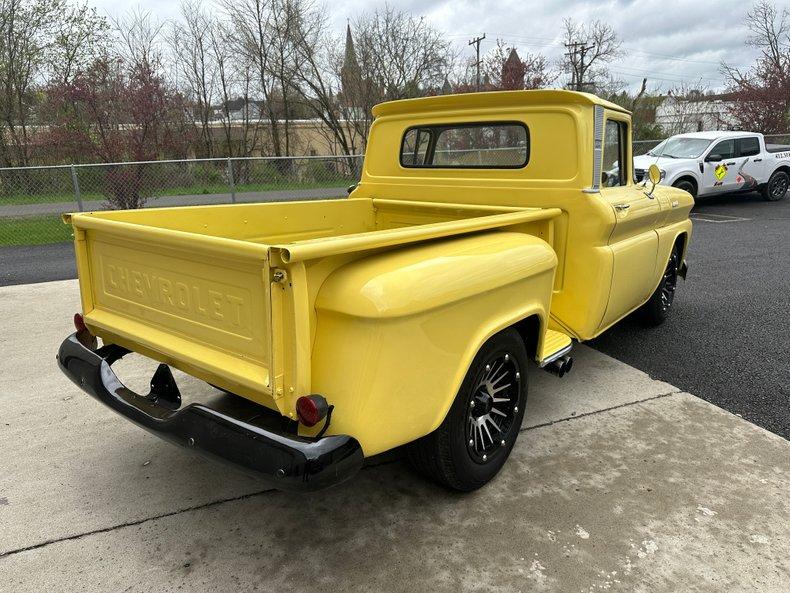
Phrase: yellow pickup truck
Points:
(487, 230)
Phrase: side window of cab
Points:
(614, 154)
(725, 149)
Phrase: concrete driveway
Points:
(617, 483)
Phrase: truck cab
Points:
(487, 233)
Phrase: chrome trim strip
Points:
(555, 356)
(597, 147)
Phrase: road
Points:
(617, 483)
(727, 341)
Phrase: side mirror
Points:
(654, 175)
(714, 158)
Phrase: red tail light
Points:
(311, 409)
(79, 323)
(84, 335)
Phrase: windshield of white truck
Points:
(681, 148)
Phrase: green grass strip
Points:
(38, 230)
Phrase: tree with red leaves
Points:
(762, 93)
(112, 112)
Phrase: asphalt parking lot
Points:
(728, 339)
(618, 482)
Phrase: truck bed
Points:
(219, 291)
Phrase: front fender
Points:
(396, 331)
(672, 177)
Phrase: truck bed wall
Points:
(194, 288)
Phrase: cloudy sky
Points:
(671, 42)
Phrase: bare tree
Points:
(590, 48)
(234, 79)
(402, 54)
(139, 39)
(763, 91)
(317, 81)
(194, 60)
(253, 24)
(80, 37)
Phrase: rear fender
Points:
(397, 331)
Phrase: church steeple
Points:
(513, 72)
(350, 60)
(350, 72)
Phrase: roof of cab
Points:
(489, 100)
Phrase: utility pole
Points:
(476, 42)
(576, 53)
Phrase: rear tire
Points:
(656, 310)
(479, 431)
(777, 186)
(687, 186)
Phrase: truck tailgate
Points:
(191, 301)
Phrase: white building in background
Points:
(703, 113)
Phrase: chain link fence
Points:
(33, 198)
(644, 146)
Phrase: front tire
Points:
(479, 431)
(656, 310)
(777, 186)
(687, 186)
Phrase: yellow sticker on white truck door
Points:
(720, 171)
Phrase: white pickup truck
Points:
(708, 163)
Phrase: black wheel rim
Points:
(492, 408)
(669, 282)
(778, 187)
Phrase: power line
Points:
(577, 50)
(650, 73)
(548, 42)
(476, 42)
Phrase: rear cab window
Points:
(749, 146)
(485, 145)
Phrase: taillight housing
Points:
(311, 409)
(84, 335)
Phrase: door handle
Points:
(732, 163)
(757, 160)
(622, 206)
